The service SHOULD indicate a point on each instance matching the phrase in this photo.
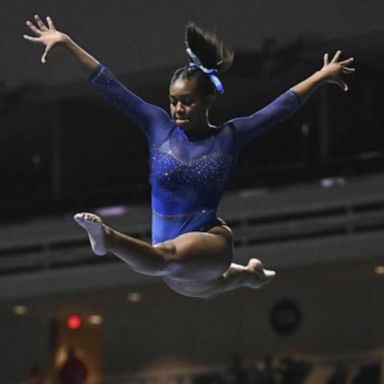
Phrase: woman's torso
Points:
(188, 179)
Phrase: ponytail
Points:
(208, 57)
(212, 53)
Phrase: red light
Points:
(73, 321)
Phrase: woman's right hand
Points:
(46, 35)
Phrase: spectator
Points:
(74, 370)
(236, 371)
(269, 374)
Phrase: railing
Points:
(249, 226)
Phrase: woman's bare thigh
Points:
(199, 256)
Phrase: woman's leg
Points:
(192, 256)
(196, 264)
(253, 276)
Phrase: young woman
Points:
(190, 162)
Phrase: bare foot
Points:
(95, 229)
(258, 276)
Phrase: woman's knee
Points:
(167, 251)
(158, 265)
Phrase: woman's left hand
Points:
(332, 70)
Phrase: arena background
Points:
(307, 198)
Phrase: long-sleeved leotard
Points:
(188, 176)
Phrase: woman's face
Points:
(188, 108)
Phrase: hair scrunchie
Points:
(211, 73)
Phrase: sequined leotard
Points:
(188, 177)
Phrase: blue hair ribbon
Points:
(211, 73)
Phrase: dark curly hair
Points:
(212, 53)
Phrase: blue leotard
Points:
(188, 176)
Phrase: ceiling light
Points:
(134, 297)
(20, 310)
(379, 269)
(95, 319)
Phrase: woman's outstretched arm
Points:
(48, 36)
(250, 127)
(153, 120)
(331, 72)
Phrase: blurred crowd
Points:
(287, 370)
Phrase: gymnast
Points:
(190, 163)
